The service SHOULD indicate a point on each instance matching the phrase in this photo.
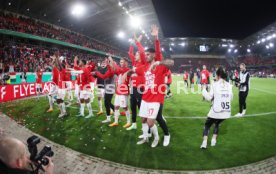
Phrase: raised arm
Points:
(140, 47)
(154, 32)
(131, 54)
(76, 67)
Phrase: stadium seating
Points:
(25, 57)
(19, 23)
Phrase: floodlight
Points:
(121, 34)
(78, 10)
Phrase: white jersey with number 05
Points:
(221, 96)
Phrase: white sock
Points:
(128, 116)
(50, 98)
(63, 108)
(145, 129)
(100, 105)
(89, 108)
(108, 117)
(154, 131)
(71, 95)
(116, 116)
(78, 98)
(82, 108)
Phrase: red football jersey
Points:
(55, 74)
(39, 76)
(155, 88)
(121, 87)
(204, 77)
(186, 75)
(61, 79)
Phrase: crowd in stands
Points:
(19, 56)
(187, 64)
(14, 22)
(256, 60)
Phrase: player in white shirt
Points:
(221, 96)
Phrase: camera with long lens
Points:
(38, 159)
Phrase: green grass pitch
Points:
(241, 140)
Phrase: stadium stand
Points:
(16, 22)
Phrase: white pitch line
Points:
(204, 117)
(265, 91)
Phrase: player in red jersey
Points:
(154, 73)
(84, 72)
(136, 82)
(61, 87)
(185, 78)
(205, 76)
(121, 92)
(68, 82)
(39, 74)
(55, 77)
(91, 66)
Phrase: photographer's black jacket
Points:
(6, 170)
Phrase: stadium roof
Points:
(102, 20)
(191, 22)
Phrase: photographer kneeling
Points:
(14, 158)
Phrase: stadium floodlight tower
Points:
(78, 10)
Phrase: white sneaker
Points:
(149, 136)
(89, 116)
(154, 143)
(213, 142)
(243, 112)
(204, 145)
(143, 141)
(79, 115)
(61, 115)
(166, 141)
(106, 121)
(133, 126)
(238, 115)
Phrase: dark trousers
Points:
(242, 100)
(107, 103)
(135, 101)
(162, 123)
(209, 122)
(186, 83)
(168, 89)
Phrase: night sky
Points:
(234, 19)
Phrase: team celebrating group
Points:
(146, 83)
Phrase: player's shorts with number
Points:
(100, 92)
(85, 94)
(149, 109)
(121, 100)
(61, 94)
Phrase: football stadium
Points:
(137, 86)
